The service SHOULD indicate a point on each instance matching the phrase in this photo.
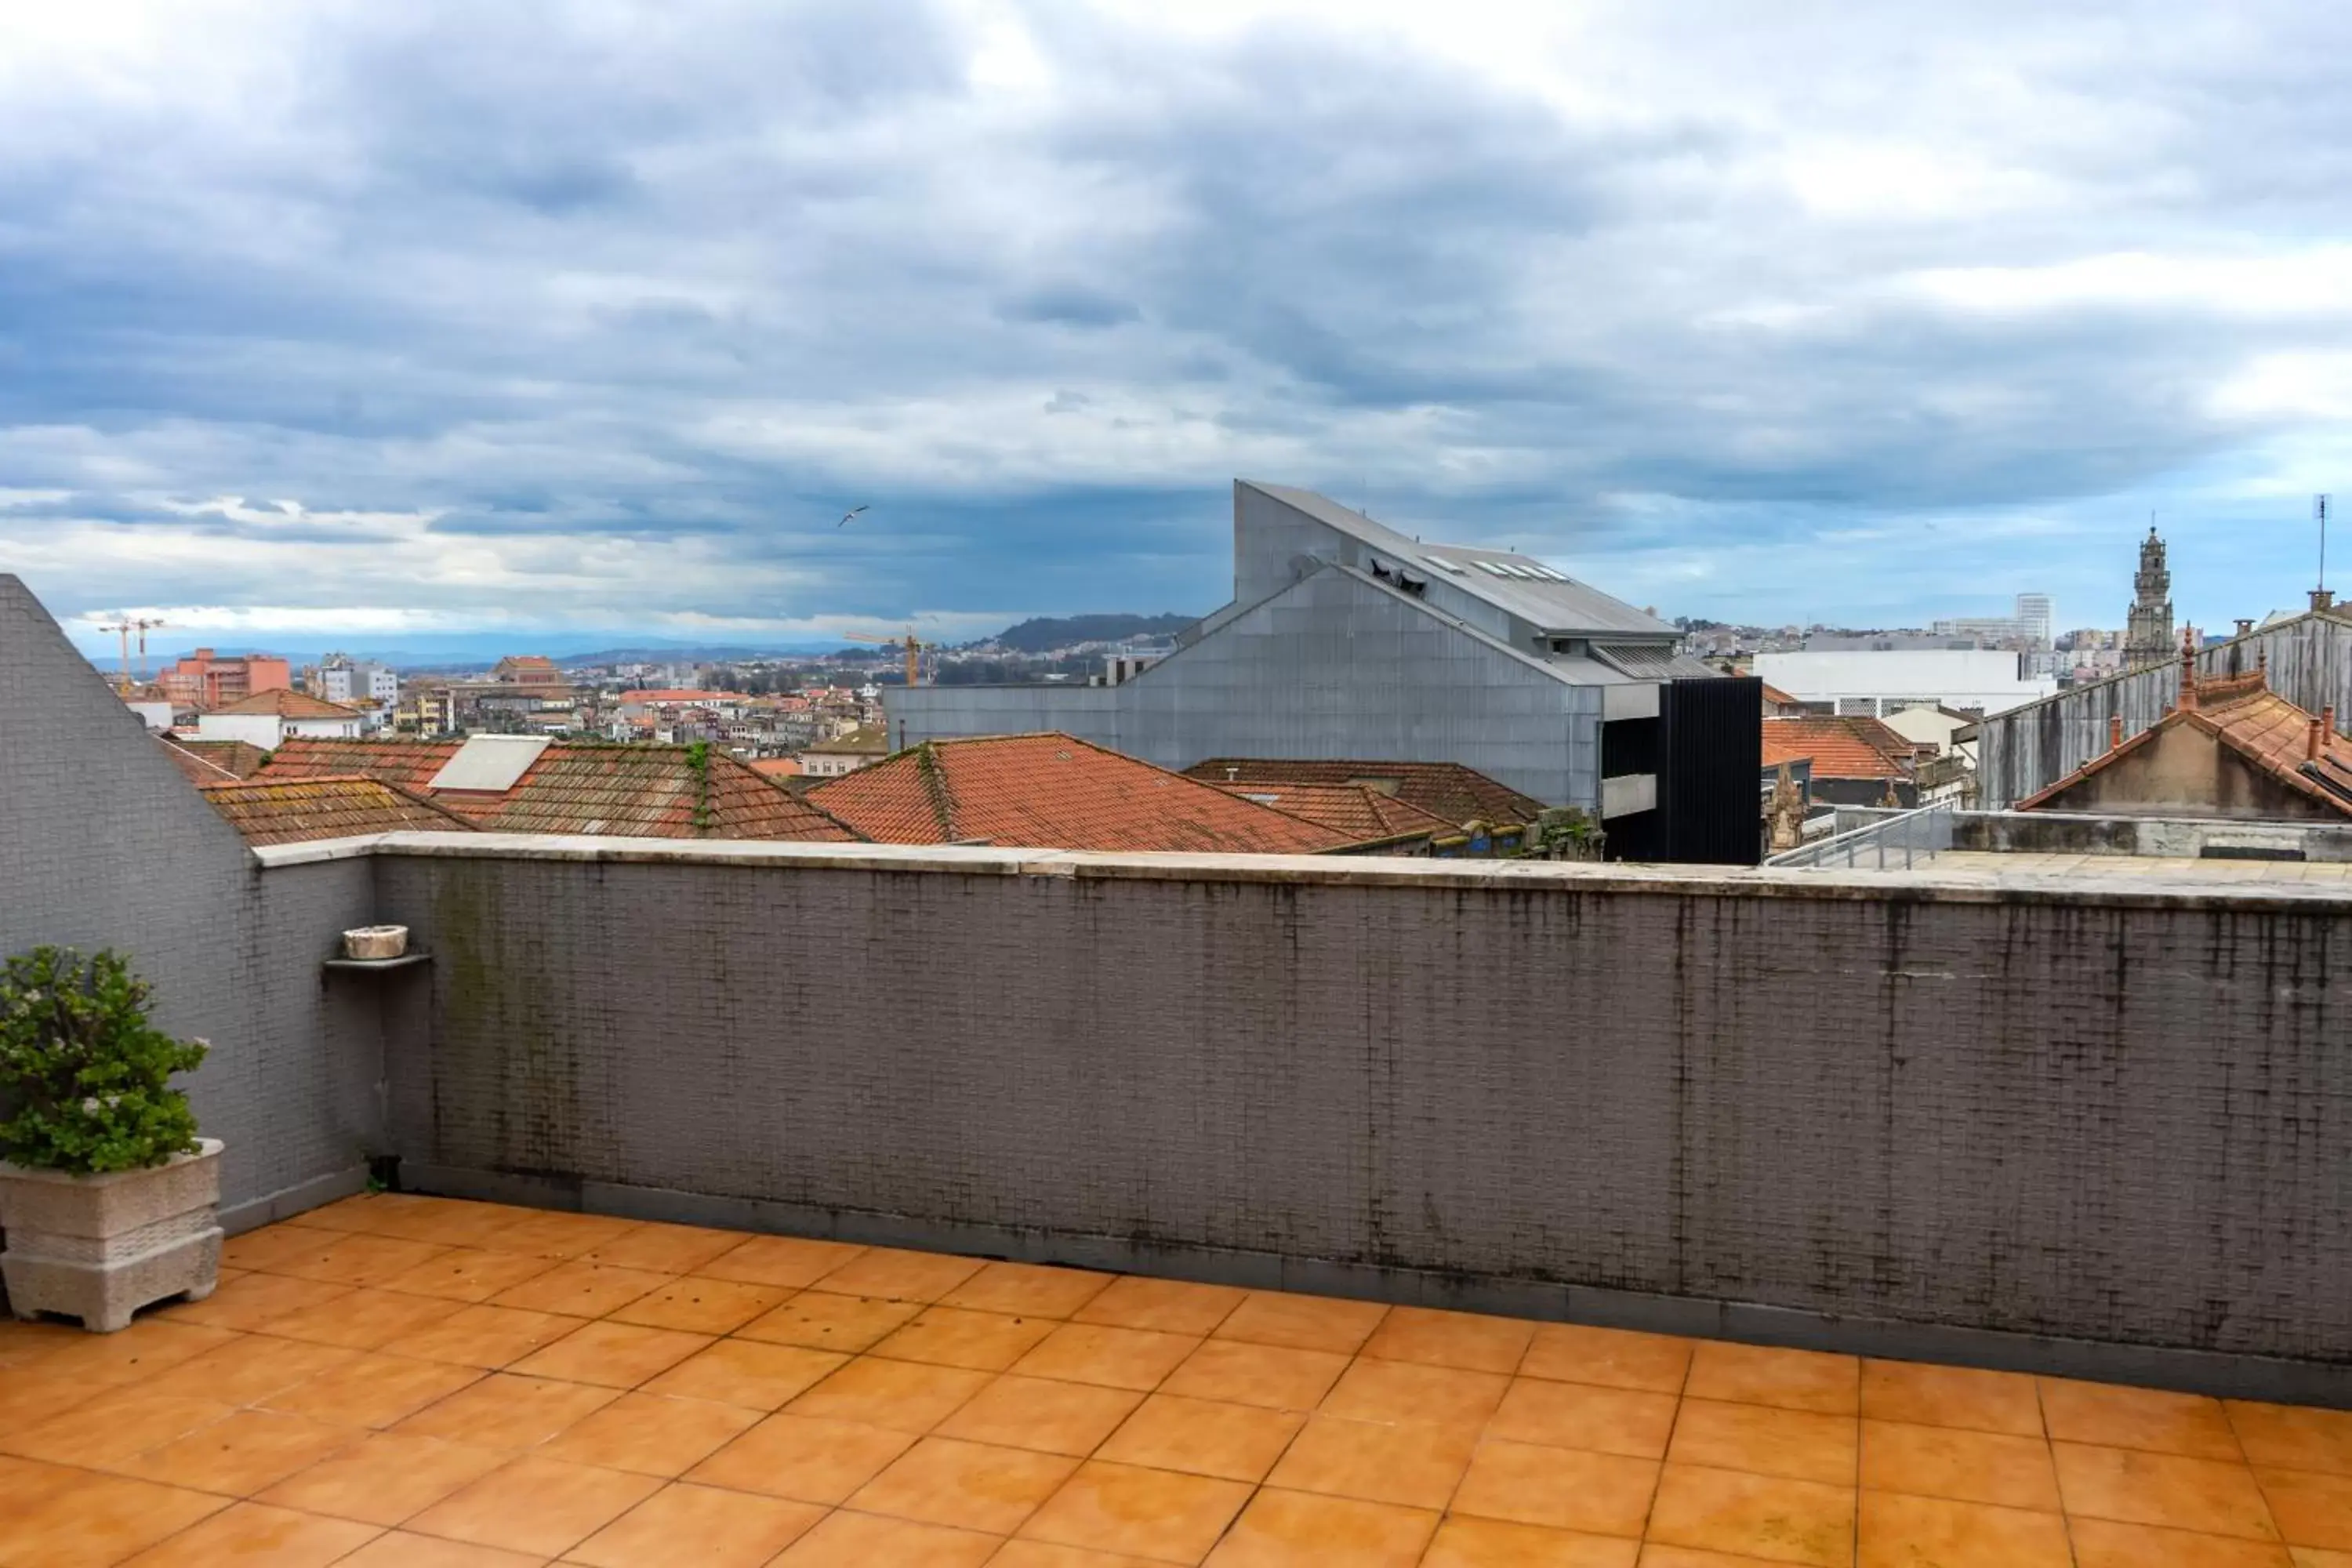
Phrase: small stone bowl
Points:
(375, 941)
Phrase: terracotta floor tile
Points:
(795, 1262)
(2134, 1487)
(1028, 1290)
(29, 1396)
(1203, 1437)
(1904, 1531)
(98, 1521)
(654, 1436)
(1969, 1466)
(1405, 1390)
(24, 1482)
(384, 1478)
(1568, 1488)
(1613, 1358)
(250, 1535)
(483, 1336)
(251, 1300)
(1655, 1555)
(400, 1548)
(133, 1355)
(972, 1486)
(265, 1248)
(581, 1289)
(469, 1274)
(2149, 1419)
(2317, 1557)
(111, 1427)
(1046, 1554)
(241, 1453)
(956, 1336)
(823, 1320)
(1585, 1416)
(551, 1233)
(1784, 1379)
(1302, 1322)
(1043, 1414)
(535, 1504)
(1245, 1373)
(701, 1306)
(365, 1319)
(2311, 1508)
(1463, 1340)
(897, 1275)
(867, 1541)
(1762, 1441)
(368, 1211)
(1771, 1516)
(21, 1343)
(903, 1394)
(746, 1373)
(1170, 1306)
(1099, 1352)
(618, 1355)
(1925, 1396)
(1144, 1514)
(1412, 1465)
(372, 1389)
(2293, 1437)
(665, 1248)
(2103, 1544)
(504, 1411)
(354, 1259)
(1491, 1544)
(706, 1526)
(1301, 1530)
(806, 1458)
(452, 1222)
(246, 1371)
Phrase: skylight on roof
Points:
(1495, 568)
(1444, 565)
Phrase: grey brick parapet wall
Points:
(104, 844)
(2104, 1129)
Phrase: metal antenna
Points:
(2319, 510)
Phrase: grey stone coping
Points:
(2129, 883)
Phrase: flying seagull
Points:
(846, 516)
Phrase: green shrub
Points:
(88, 1078)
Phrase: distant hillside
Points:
(1043, 633)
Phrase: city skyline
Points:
(379, 327)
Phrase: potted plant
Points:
(109, 1199)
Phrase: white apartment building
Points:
(1873, 684)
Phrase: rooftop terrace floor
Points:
(409, 1381)
(2078, 871)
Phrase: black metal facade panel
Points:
(1710, 741)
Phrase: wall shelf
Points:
(375, 965)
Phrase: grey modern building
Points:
(1347, 639)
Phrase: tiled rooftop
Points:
(1055, 792)
(408, 1381)
(1360, 812)
(1449, 790)
(643, 791)
(1844, 747)
(2246, 717)
(298, 811)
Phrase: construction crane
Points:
(123, 628)
(914, 651)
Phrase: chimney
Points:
(1233, 774)
(2114, 730)
(2311, 741)
(2327, 728)
(2245, 625)
(2187, 671)
(2323, 598)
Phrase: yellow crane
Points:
(123, 628)
(914, 651)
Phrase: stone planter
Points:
(375, 943)
(101, 1248)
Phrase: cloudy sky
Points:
(375, 321)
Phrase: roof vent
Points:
(490, 763)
